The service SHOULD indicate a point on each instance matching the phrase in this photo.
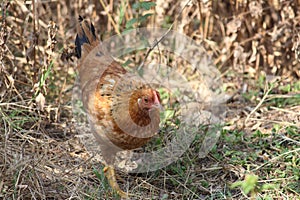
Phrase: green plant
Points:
(139, 7)
(250, 185)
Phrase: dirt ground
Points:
(253, 44)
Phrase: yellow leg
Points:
(109, 172)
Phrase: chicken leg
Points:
(109, 173)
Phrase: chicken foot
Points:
(109, 173)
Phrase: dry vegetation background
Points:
(255, 44)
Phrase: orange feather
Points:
(123, 111)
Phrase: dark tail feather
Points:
(85, 34)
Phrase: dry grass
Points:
(255, 46)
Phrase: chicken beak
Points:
(158, 106)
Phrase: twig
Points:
(275, 122)
(183, 185)
(163, 36)
(289, 139)
(284, 110)
(110, 17)
(275, 158)
(260, 103)
(34, 35)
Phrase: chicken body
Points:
(122, 110)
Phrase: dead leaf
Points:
(256, 9)
(40, 101)
(233, 26)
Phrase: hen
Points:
(122, 110)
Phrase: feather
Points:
(113, 97)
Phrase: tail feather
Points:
(85, 35)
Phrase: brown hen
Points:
(122, 110)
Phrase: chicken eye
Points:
(146, 100)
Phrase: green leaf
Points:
(128, 62)
(269, 186)
(100, 175)
(169, 114)
(122, 11)
(136, 5)
(296, 87)
(46, 74)
(248, 185)
(165, 196)
(147, 5)
(144, 5)
(44, 77)
(285, 88)
(236, 184)
(144, 17)
(131, 22)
